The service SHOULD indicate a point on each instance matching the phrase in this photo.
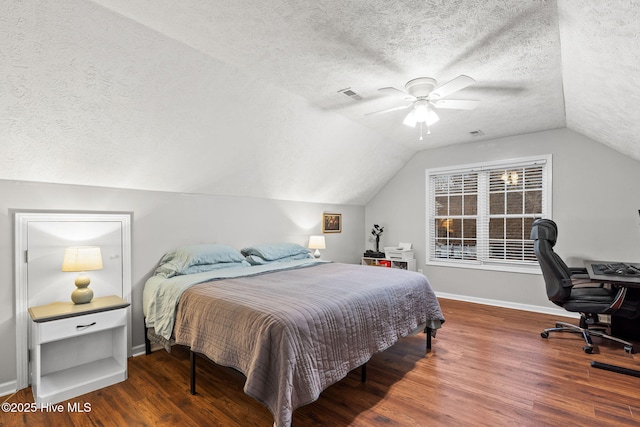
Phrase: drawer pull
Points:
(85, 326)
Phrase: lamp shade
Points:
(316, 242)
(82, 258)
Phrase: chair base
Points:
(587, 333)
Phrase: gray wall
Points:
(595, 203)
(161, 222)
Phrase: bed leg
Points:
(147, 342)
(363, 373)
(427, 331)
(192, 359)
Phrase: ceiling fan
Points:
(425, 96)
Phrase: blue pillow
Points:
(275, 251)
(256, 260)
(180, 260)
(201, 268)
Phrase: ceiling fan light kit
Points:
(421, 113)
(425, 96)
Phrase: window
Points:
(481, 215)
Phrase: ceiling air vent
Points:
(351, 94)
(476, 133)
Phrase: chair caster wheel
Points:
(544, 334)
(629, 349)
(587, 349)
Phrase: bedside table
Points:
(76, 349)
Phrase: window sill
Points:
(489, 267)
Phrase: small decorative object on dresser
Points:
(76, 349)
(401, 252)
(376, 231)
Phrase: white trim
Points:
(22, 315)
(496, 164)
(138, 350)
(534, 269)
(8, 388)
(21, 222)
(513, 305)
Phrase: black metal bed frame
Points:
(192, 358)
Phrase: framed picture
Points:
(331, 223)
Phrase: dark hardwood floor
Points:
(489, 367)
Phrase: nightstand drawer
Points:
(80, 325)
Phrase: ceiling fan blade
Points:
(451, 86)
(402, 107)
(456, 104)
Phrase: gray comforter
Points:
(294, 333)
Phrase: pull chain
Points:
(428, 131)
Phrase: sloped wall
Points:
(89, 96)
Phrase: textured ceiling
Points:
(601, 71)
(241, 97)
(314, 49)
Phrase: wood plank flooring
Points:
(489, 367)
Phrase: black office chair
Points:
(570, 289)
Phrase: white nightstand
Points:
(76, 349)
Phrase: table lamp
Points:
(81, 259)
(317, 243)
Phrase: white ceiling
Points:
(314, 49)
(240, 97)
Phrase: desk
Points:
(619, 274)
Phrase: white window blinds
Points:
(482, 214)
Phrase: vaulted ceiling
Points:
(243, 97)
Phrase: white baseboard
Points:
(8, 388)
(513, 305)
(138, 350)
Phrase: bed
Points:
(294, 326)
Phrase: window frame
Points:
(483, 214)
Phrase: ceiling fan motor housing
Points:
(420, 87)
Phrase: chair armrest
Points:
(581, 279)
(579, 275)
(582, 283)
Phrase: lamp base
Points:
(316, 254)
(82, 294)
